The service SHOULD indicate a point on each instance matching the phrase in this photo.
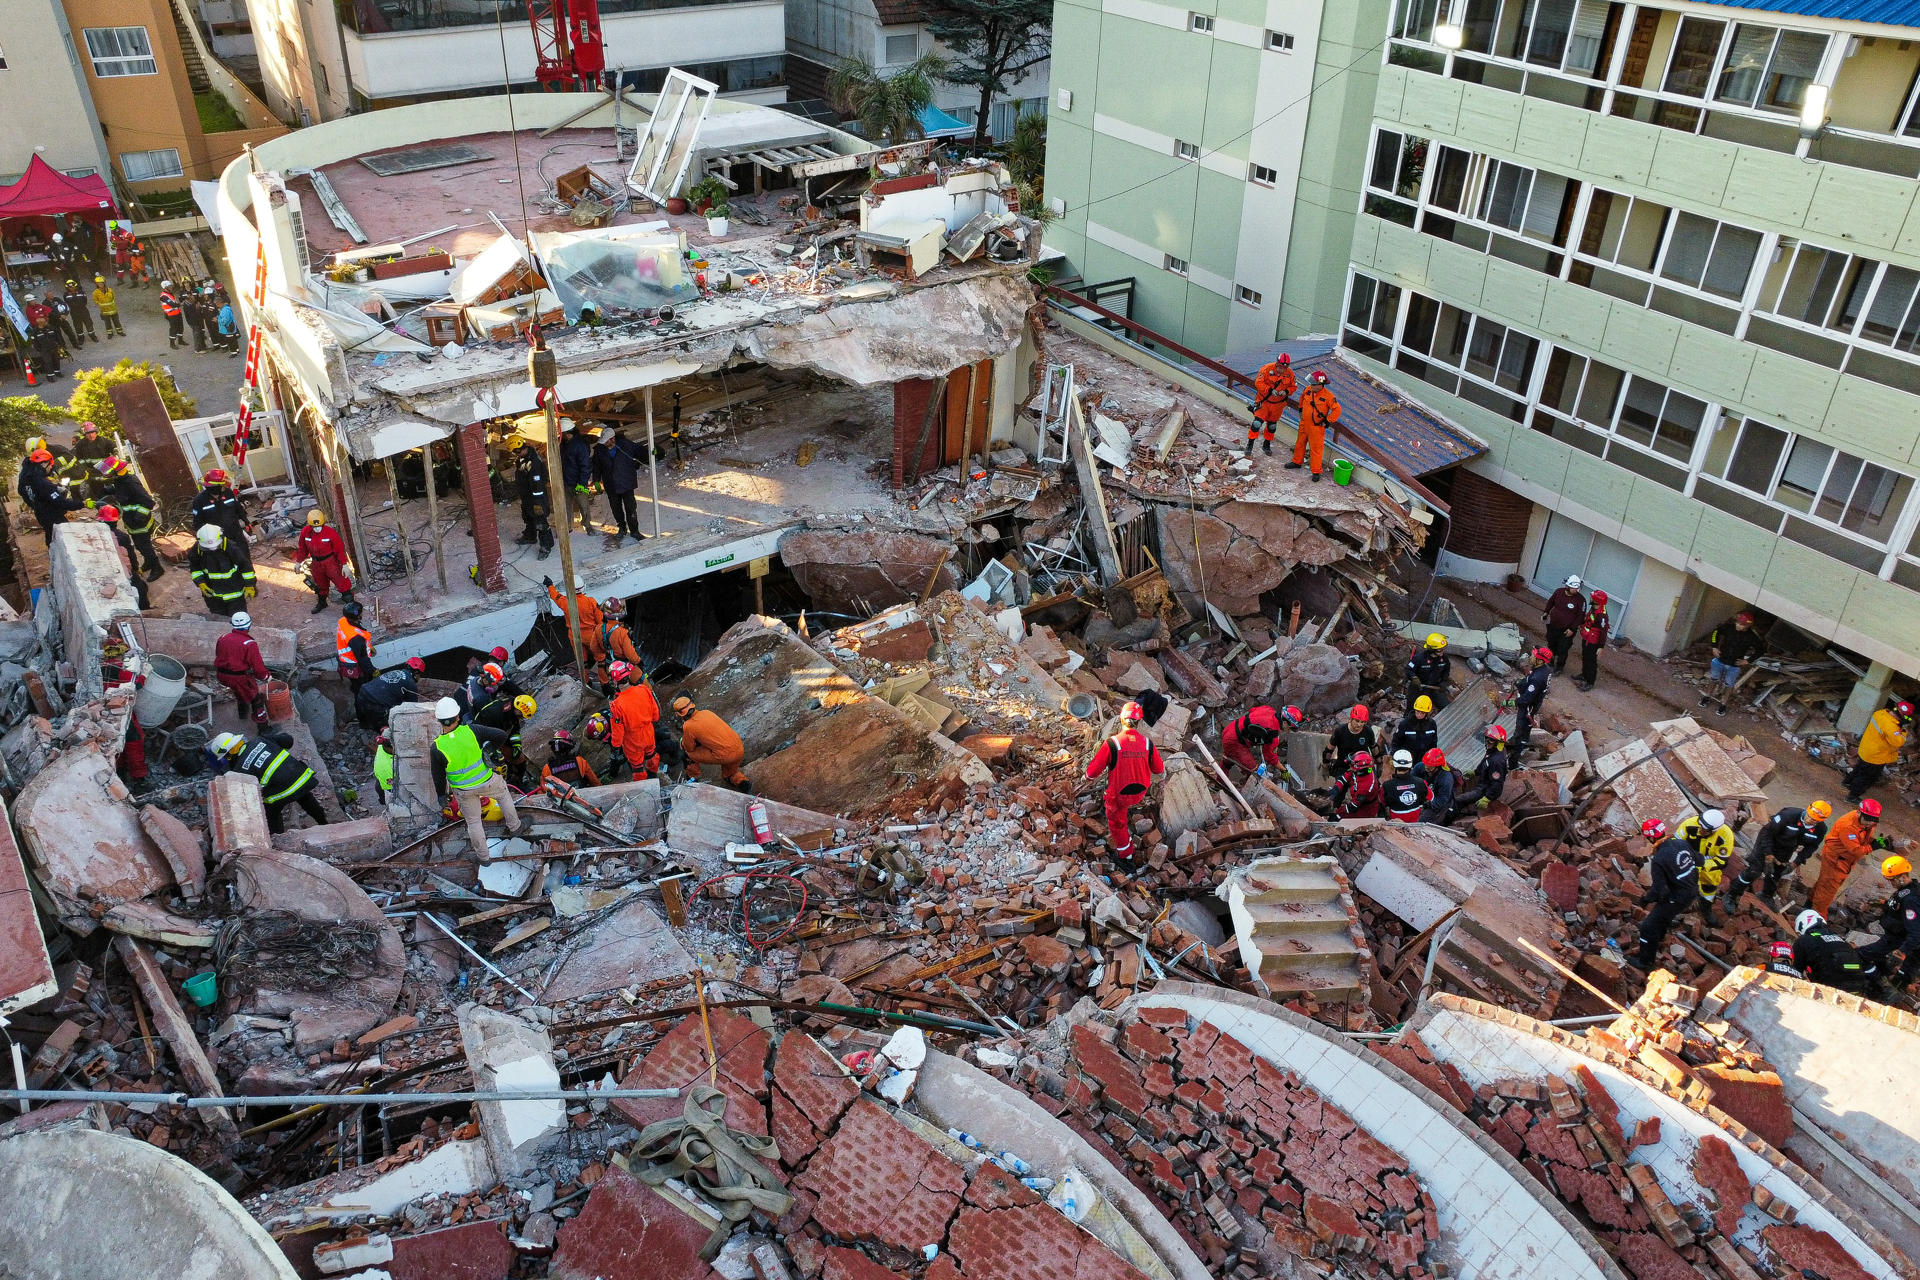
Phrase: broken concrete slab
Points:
(339, 841)
(26, 971)
(630, 808)
(507, 1055)
(171, 1021)
(180, 845)
(1707, 770)
(705, 819)
(1317, 678)
(471, 1251)
(630, 1229)
(633, 946)
(1299, 932)
(84, 836)
(150, 922)
(237, 816)
(191, 639)
(856, 572)
(558, 707)
(80, 1202)
(90, 590)
(317, 896)
(1238, 551)
(1504, 640)
(413, 807)
(1186, 799)
(1643, 784)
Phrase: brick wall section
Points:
(471, 440)
(910, 398)
(1489, 521)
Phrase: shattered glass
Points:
(613, 275)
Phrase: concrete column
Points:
(1868, 696)
(1488, 534)
(471, 443)
(412, 807)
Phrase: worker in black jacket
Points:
(1730, 648)
(1823, 954)
(1444, 784)
(375, 698)
(217, 504)
(536, 504)
(1789, 838)
(576, 471)
(1899, 922)
(44, 494)
(1406, 795)
(1490, 779)
(1528, 697)
(1348, 740)
(1675, 870)
(1417, 734)
(284, 779)
(121, 488)
(1428, 671)
(616, 464)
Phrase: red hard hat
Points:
(498, 653)
(417, 665)
(1653, 829)
(1904, 710)
(1132, 712)
(1363, 759)
(1599, 596)
(1359, 713)
(1496, 734)
(1293, 715)
(1543, 654)
(1745, 616)
(215, 476)
(619, 670)
(1319, 376)
(1870, 809)
(40, 455)
(1434, 758)
(1285, 358)
(109, 512)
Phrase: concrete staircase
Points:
(1299, 935)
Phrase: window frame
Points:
(1200, 23)
(1855, 334)
(1900, 507)
(1184, 150)
(1175, 266)
(114, 60)
(1247, 297)
(886, 47)
(1278, 41)
(1256, 170)
(179, 170)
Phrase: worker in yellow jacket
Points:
(1880, 746)
(1711, 840)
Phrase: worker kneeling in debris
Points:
(707, 739)
(1357, 794)
(1824, 955)
(1258, 731)
(1443, 784)
(567, 763)
(1406, 794)
(284, 780)
(1490, 779)
(1131, 763)
(460, 767)
(1899, 922)
(1712, 841)
(374, 699)
(1675, 887)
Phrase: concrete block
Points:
(507, 1054)
(236, 816)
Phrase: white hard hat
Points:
(579, 583)
(1573, 580)
(224, 742)
(166, 284)
(1713, 819)
(447, 709)
(1403, 759)
(242, 621)
(58, 238)
(1807, 919)
(207, 535)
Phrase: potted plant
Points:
(706, 193)
(717, 214)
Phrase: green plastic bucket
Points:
(203, 988)
(1342, 471)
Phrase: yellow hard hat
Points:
(524, 706)
(1436, 641)
(1895, 866)
(1819, 811)
(316, 517)
(1423, 703)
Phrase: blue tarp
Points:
(936, 123)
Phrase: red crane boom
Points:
(566, 43)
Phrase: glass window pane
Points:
(1478, 24)
(1422, 314)
(1757, 456)
(1687, 250)
(1640, 412)
(1890, 303)
(1561, 390)
(1516, 361)
(1795, 59)
(1547, 39)
(1483, 351)
(1855, 288)
(1362, 301)
(1450, 335)
(1417, 18)
(1599, 395)
(1386, 307)
(1680, 425)
(1878, 498)
(1505, 200)
(1746, 62)
(1838, 489)
(1734, 252)
(1641, 243)
(1450, 180)
(1693, 54)
(1386, 158)
(1806, 468)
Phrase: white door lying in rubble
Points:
(666, 148)
(1570, 547)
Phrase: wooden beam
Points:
(171, 1021)
(1105, 550)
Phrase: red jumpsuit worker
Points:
(1318, 411)
(1258, 731)
(325, 552)
(237, 664)
(633, 714)
(1131, 763)
(1273, 386)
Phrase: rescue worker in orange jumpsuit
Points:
(325, 553)
(1131, 763)
(615, 642)
(707, 739)
(1853, 837)
(238, 664)
(566, 763)
(589, 613)
(1318, 411)
(1273, 387)
(633, 714)
(1258, 731)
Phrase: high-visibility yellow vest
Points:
(466, 767)
(383, 768)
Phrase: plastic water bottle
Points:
(1013, 1164)
(1041, 1185)
(965, 1139)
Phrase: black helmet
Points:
(351, 611)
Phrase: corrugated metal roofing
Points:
(1896, 13)
(1400, 429)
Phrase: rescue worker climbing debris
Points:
(1880, 745)
(1348, 739)
(120, 487)
(1712, 842)
(1131, 763)
(284, 780)
(1784, 844)
(1357, 794)
(1253, 740)
(353, 647)
(1854, 836)
(1674, 872)
(1899, 923)
(1490, 779)
(707, 739)
(1822, 954)
(632, 716)
(463, 778)
(1405, 795)
(1417, 734)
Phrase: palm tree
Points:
(886, 107)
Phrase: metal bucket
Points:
(1082, 705)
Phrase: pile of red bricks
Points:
(1253, 1165)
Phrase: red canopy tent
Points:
(43, 191)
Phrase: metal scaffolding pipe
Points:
(333, 1099)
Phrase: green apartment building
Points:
(1664, 259)
(1211, 152)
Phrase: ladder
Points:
(1056, 399)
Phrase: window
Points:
(120, 51)
(902, 49)
(1279, 42)
(1186, 150)
(1769, 68)
(1807, 479)
(1249, 297)
(145, 166)
(1660, 419)
(1176, 265)
(1496, 360)
(1201, 22)
(1695, 51)
(1414, 19)
(1372, 309)
(1399, 162)
(1259, 173)
(1711, 256)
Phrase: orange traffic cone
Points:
(31, 380)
